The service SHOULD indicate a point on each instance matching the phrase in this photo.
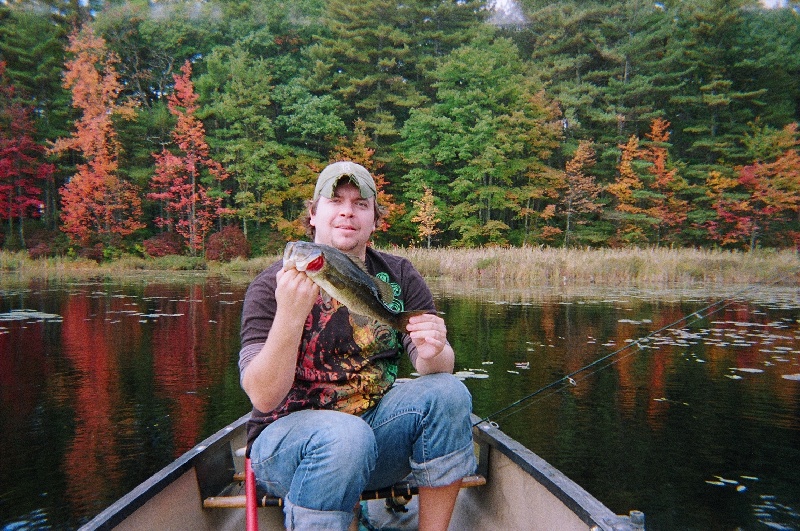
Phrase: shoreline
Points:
(507, 267)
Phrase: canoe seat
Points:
(234, 497)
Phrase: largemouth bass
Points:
(345, 279)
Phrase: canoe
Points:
(522, 492)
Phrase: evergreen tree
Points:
(488, 132)
(239, 93)
(375, 54)
(603, 61)
(713, 106)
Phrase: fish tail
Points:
(405, 316)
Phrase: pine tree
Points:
(375, 53)
(713, 104)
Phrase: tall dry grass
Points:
(550, 267)
(505, 267)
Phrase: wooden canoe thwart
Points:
(513, 489)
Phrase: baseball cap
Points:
(333, 173)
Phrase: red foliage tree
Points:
(163, 244)
(21, 164)
(227, 244)
(763, 203)
(96, 203)
(188, 206)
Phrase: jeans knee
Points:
(346, 435)
(450, 393)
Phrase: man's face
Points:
(346, 221)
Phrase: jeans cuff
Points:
(296, 517)
(447, 469)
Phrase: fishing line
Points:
(569, 379)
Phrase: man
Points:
(327, 422)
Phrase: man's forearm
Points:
(442, 362)
(269, 376)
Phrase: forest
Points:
(198, 127)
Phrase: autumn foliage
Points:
(21, 168)
(96, 203)
(624, 188)
(188, 205)
(580, 197)
(227, 244)
(666, 207)
(762, 201)
(427, 216)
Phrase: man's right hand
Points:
(295, 293)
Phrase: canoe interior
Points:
(523, 492)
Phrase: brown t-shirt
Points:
(340, 365)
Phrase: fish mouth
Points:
(303, 257)
(315, 264)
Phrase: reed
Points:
(611, 267)
(506, 267)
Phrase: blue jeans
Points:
(319, 461)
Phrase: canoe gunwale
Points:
(585, 506)
(145, 491)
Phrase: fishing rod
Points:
(569, 379)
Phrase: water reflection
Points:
(93, 402)
(697, 425)
(102, 383)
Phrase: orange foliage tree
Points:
(628, 212)
(665, 207)
(581, 193)
(188, 206)
(427, 216)
(97, 206)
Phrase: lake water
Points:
(660, 401)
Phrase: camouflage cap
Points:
(333, 173)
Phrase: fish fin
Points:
(360, 320)
(385, 291)
(326, 298)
